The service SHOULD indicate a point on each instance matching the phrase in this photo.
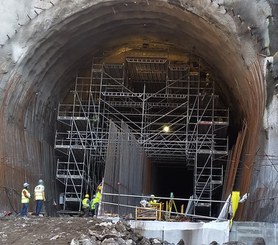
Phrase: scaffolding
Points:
(146, 94)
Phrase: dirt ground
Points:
(43, 230)
(69, 230)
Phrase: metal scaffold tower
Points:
(148, 95)
(81, 139)
(207, 148)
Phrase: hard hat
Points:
(40, 182)
(152, 195)
(99, 187)
(25, 184)
(87, 195)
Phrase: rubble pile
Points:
(109, 233)
(70, 230)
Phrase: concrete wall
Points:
(247, 232)
(204, 233)
(197, 233)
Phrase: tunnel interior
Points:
(147, 88)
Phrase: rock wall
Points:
(262, 204)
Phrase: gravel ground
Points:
(68, 230)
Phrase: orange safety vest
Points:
(25, 198)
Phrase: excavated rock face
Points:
(51, 41)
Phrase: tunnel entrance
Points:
(169, 108)
(37, 73)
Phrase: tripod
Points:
(171, 205)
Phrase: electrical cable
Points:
(8, 196)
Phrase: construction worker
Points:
(86, 205)
(152, 201)
(144, 203)
(39, 196)
(25, 199)
(99, 188)
(95, 202)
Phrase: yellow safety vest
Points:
(153, 202)
(25, 199)
(39, 192)
(85, 203)
(96, 200)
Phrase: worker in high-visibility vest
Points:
(86, 205)
(39, 196)
(25, 199)
(152, 200)
(95, 203)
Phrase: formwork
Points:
(125, 165)
(113, 123)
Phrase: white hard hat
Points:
(25, 184)
(152, 195)
(40, 181)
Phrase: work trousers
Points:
(86, 211)
(38, 206)
(95, 210)
(24, 209)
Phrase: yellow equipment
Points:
(170, 205)
(154, 212)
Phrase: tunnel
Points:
(47, 55)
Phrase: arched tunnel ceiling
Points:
(59, 51)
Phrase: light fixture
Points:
(166, 129)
